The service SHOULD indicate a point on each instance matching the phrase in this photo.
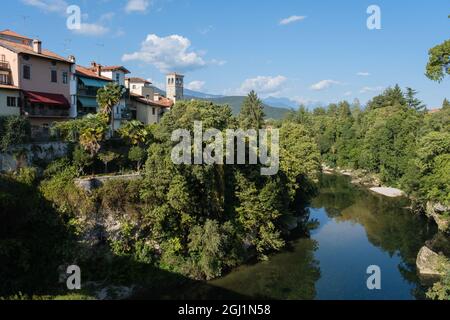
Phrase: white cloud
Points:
(91, 29)
(291, 19)
(137, 6)
(196, 85)
(363, 74)
(348, 93)
(324, 84)
(168, 54)
(263, 85)
(371, 89)
(59, 6)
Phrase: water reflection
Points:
(351, 229)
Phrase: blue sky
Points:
(326, 53)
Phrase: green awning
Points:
(93, 82)
(88, 102)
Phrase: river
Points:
(351, 229)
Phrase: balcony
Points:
(4, 65)
(46, 113)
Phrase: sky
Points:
(308, 51)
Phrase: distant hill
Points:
(235, 103)
(195, 94)
(278, 102)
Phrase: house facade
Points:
(9, 100)
(146, 106)
(116, 74)
(87, 84)
(42, 78)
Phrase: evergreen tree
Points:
(412, 101)
(252, 112)
(445, 104)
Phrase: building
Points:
(9, 99)
(175, 86)
(117, 74)
(87, 83)
(146, 106)
(42, 78)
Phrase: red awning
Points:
(47, 98)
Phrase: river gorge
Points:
(350, 228)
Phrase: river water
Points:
(351, 229)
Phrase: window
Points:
(153, 111)
(26, 72)
(54, 76)
(11, 101)
(4, 79)
(117, 77)
(65, 77)
(3, 57)
(134, 86)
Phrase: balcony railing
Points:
(47, 113)
(4, 65)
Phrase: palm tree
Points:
(108, 97)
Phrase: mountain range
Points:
(274, 107)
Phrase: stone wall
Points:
(26, 154)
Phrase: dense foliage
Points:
(14, 130)
(392, 137)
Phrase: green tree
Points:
(89, 132)
(14, 130)
(412, 101)
(439, 62)
(252, 112)
(81, 160)
(136, 132)
(137, 155)
(445, 105)
(108, 97)
(107, 157)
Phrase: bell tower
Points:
(175, 86)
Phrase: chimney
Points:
(37, 46)
(72, 59)
(97, 68)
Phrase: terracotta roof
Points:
(162, 103)
(86, 72)
(23, 48)
(114, 68)
(434, 110)
(11, 33)
(138, 80)
(7, 86)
